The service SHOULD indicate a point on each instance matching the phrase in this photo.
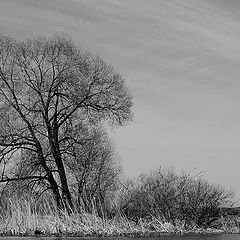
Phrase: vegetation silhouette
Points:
(59, 171)
(52, 93)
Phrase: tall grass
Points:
(158, 202)
(27, 218)
(229, 224)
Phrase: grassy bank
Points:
(26, 218)
(161, 202)
(229, 224)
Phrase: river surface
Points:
(162, 237)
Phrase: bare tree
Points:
(47, 87)
(94, 167)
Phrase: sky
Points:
(181, 61)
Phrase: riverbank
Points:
(22, 219)
(26, 218)
(91, 226)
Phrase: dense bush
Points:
(161, 195)
(170, 196)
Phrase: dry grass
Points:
(26, 218)
(229, 224)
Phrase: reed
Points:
(229, 224)
(27, 218)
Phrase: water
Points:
(169, 237)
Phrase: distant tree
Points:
(94, 170)
(48, 87)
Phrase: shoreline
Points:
(133, 234)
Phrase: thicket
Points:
(171, 197)
(157, 202)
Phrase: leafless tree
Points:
(48, 86)
(94, 169)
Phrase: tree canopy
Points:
(49, 90)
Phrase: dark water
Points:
(169, 237)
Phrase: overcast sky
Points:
(181, 60)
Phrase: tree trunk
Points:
(55, 191)
(66, 195)
(52, 181)
(55, 149)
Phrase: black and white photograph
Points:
(120, 119)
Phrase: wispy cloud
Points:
(181, 60)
